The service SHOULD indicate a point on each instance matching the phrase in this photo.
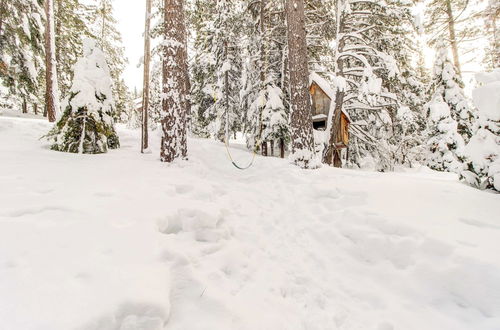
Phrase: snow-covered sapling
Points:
(86, 125)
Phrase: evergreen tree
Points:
(87, 126)
(448, 84)
(361, 66)
(444, 145)
(176, 106)
(483, 149)
(303, 153)
(109, 40)
(217, 68)
(451, 22)
(22, 50)
(71, 23)
(490, 16)
(203, 70)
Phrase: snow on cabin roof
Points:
(326, 87)
(323, 84)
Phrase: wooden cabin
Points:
(321, 96)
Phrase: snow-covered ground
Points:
(122, 241)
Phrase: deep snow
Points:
(122, 241)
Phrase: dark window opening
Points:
(319, 125)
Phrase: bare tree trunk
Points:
(35, 108)
(175, 83)
(453, 38)
(50, 71)
(263, 70)
(301, 121)
(25, 106)
(332, 154)
(282, 148)
(145, 90)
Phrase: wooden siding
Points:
(320, 100)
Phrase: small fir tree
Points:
(444, 145)
(86, 125)
(448, 84)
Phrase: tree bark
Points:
(175, 84)
(453, 38)
(263, 71)
(301, 120)
(145, 90)
(282, 148)
(50, 71)
(332, 154)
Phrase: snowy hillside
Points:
(122, 241)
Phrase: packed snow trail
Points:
(122, 241)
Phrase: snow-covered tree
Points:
(264, 95)
(358, 70)
(483, 149)
(86, 125)
(176, 104)
(109, 40)
(303, 150)
(22, 50)
(444, 145)
(448, 84)
(491, 17)
(451, 22)
(216, 68)
(71, 24)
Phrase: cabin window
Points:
(319, 125)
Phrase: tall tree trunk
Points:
(301, 120)
(453, 38)
(263, 69)
(25, 106)
(51, 92)
(2, 12)
(145, 91)
(175, 83)
(331, 155)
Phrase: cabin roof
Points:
(326, 87)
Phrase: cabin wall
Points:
(320, 101)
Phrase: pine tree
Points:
(264, 79)
(483, 149)
(71, 23)
(360, 67)
(490, 16)
(87, 126)
(22, 50)
(217, 68)
(203, 69)
(302, 132)
(109, 40)
(395, 36)
(175, 83)
(444, 145)
(448, 84)
(452, 22)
